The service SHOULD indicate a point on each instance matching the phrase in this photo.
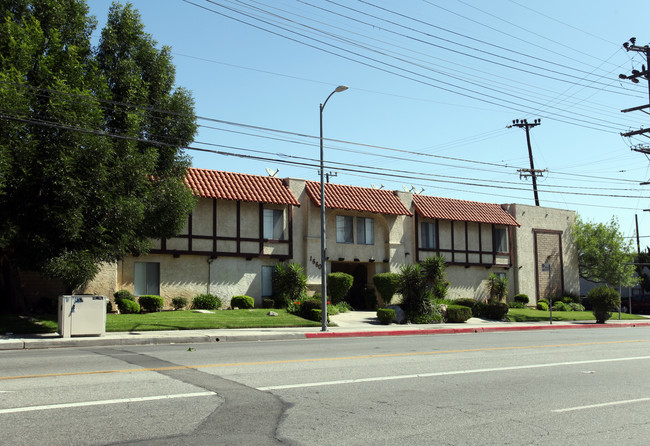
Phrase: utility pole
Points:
(532, 172)
(634, 78)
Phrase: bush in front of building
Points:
(151, 303)
(179, 302)
(242, 302)
(604, 301)
(458, 313)
(543, 306)
(576, 307)
(306, 307)
(128, 306)
(495, 310)
(386, 315)
(267, 303)
(386, 284)
(338, 285)
(522, 298)
(289, 283)
(561, 306)
(123, 294)
(206, 302)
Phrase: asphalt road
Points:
(565, 387)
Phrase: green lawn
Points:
(189, 320)
(27, 324)
(531, 315)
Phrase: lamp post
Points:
(323, 256)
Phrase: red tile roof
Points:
(353, 198)
(239, 187)
(461, 210)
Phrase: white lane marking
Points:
(453, 372)
(99, 403)
(593, 406)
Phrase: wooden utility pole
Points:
(532, 172)
(634, 78)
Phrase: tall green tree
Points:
(603, 253)
(91, 159)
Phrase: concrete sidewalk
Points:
(352, 324)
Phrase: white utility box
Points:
(82, 315)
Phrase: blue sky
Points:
(432, 86)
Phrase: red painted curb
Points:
(361, 334)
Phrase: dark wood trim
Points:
(261, 227)
(453, 247)
(466, 243)
(189, 233)
(417, 237)
(214, 226)
(220, 254)
(238, 250)
(290, 218)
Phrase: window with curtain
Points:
(428, 235)
(365, 231)
(146, 279)
(274, 224)
(344, 229)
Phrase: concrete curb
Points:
(150, 338)
(350, 334)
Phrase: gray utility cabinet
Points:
(82, 315)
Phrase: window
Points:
(344, 229)
(267, 283)
(500, 236)
(274, 224)
(146, 279)
(428, 235)
(365, 231)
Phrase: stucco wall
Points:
(534, 218)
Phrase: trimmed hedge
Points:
(150, 303)
(128, 306)
(267, 303)
(179, 303)
(458, 313)
(604, 301)
(543, 306)
(242, 302)
(523, 298)
(206, 302)
(123, 294)
(338, 285)
(386, 284)
(495, 310)
(386, 315)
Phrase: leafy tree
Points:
(91, 165)
(603, 253)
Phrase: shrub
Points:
(242, 302)
(576, 307)
(310, 304)
(128, 306)
(573, 296)
(522, 298)
(603, 300)
(561, 306)
(289, 283)
(338, 285)
(151, 304)
(466, 302)
(543, 306)
(386, 284)
(495, 310)
(316, 315)
(179, 303)
(123, 294)
(385, 315)
(516, 305)
(432, 318)
(458, 313)
(497, 287)
(206, 302)
(109, 306)
(544, 301)
(267, 303)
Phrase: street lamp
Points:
(323, 257)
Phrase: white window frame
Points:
(365, 231)
(146, 278)
(345, 229)
(274, 225)
(428, 231)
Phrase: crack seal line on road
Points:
(294, 361)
